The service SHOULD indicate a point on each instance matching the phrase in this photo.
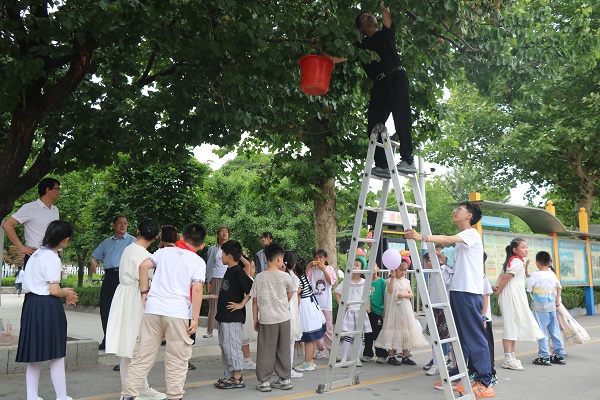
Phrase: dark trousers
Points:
(107, 292)
(490, 339)
(370, 337)
(466, 309)
(392, 95)
(273, 351)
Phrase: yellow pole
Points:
(583, 227)
(552, 210)
(589, 290)
(476, 196)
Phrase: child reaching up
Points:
(399, 328)
(357, 284)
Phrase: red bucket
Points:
(315, 73)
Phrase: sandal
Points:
(230, 383)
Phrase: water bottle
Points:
(8, 328)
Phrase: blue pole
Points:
(589, 300)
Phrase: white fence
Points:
(11, 269)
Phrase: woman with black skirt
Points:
(43, 334)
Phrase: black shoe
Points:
(101, 346)
(405, 167)
(117, 368)
(558, 360)
(408, 361)
(542, 361)
(191, 366)
(427, 366)
(394, 361)
(382, 173)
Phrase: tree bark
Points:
(325, 219)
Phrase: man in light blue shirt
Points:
(109, 253)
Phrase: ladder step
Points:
(449, 340)
(412, 205)
(439, 305)
(430, 270)
(374, 209)
(354, 302)
(365, 240)
(457, 376)
(363, 272)
(350, 333)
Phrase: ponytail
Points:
(510, 252)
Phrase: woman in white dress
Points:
(519, 323)
(127, 308)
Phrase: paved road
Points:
(576, 380)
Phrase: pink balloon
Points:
(391, 259)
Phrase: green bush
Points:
(573, 297)
(71, 280)
(8, 281)
(88, 296)
(494, 305)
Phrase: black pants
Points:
(489, 335)
(107, 292)
(376, 325)
(392, 95)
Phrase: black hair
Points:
(232, 248)
(290, 259)
(509, 251)
(116, 218)
(300, 268)
(543, 257)
(272, 251)
(46, 183)
(56, 232)
(267, 235)
(323, 253)
(357, 21)
(148, 229)
(223, 227)
(194, 233)
(484, 257)
(168, 234)
(475, 211)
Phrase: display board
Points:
(573, 262)
(595, 249)
(495, 244)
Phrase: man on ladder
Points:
(390, 93)
(466, 293)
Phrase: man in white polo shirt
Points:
(35, 217)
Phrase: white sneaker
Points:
(381, 360)
(249, 365)
(434, 370)
(152, 393)
(304, 366)
(297, 374)
(366, 359)
(207, 335)
(320, 354)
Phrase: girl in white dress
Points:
(519, 323)
(290, 259)
(127, 308)
(400, 330)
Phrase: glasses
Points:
(461, 208)
(56, 188)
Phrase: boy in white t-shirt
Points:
(466, 292)
(545, 290)
(176, 287)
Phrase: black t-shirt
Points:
(234, 287)
(383, 42)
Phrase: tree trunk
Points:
(80, 267)
(585, 199)
(325, 219)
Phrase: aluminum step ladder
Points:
(349, 376)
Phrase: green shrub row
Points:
(8, 281)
